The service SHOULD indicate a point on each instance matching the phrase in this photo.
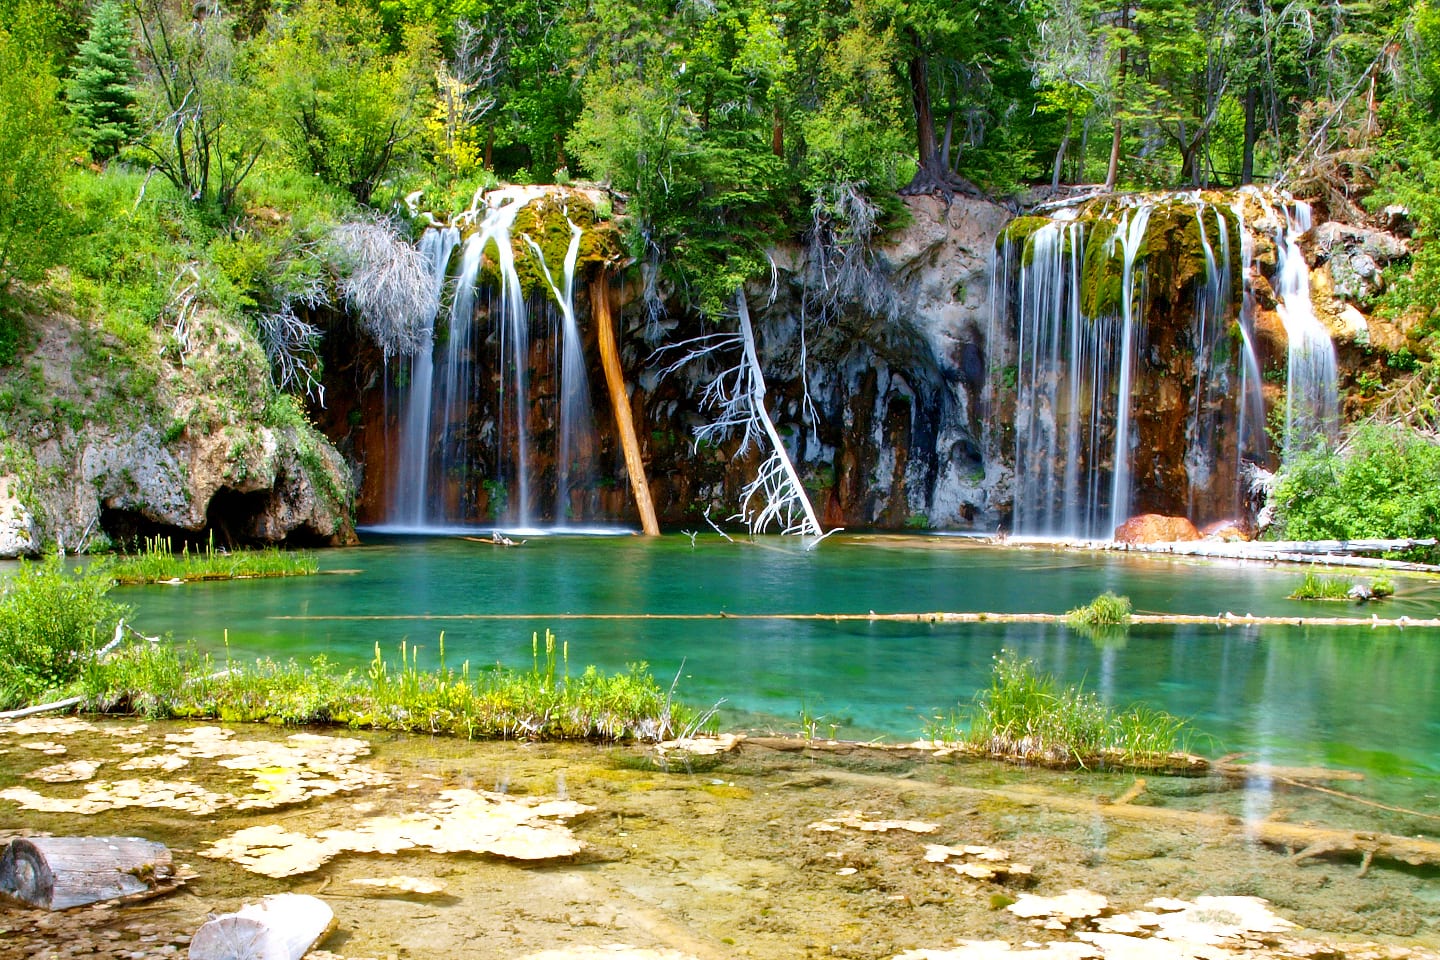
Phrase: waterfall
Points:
(410, 486)
(1132, 357)
(576, 424)
(1129, 236)
(1252, 442)
(1311, 383)
(452, 441)
(1066, 365)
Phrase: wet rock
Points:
(1353, 257)
(1229, 531)
(1155, 528)
(19, 536)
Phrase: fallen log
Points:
(56, 873)
(280, 927)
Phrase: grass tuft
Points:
(1106, 610)
(1322, 588)
(158, 562)
(543, 703)
(1025, 715)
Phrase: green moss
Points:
(546, 221)
(1019, 230)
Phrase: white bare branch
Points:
(386, 284)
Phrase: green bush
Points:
(1322, 588)
(1385, 484)
(51, 619)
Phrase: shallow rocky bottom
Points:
(772, 851)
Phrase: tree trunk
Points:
(777, 133)
(934, 175)
(1247, 156)
(620, 401)
(1060, 154)
(949, 139)
(1112, 173)
(56, 873)
(280, 927)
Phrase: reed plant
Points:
(1322, 588)
(545, 702)
(1025, 715)
(157, 562)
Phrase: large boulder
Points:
(1155, 528)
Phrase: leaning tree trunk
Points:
(620, 401)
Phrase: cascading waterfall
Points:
(1077, 291)
(1253, 442)
(1311, 385)
(438, 446)
(409, 493)
(576, 424)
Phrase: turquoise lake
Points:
(1358, 698)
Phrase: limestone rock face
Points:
(1154, 528)
(18, 534)
(206, 446)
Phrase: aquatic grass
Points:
(1106, 610)
(545, 702)
(157, 562)
(1321, 588)
(1025, 715)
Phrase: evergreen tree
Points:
(100, 93)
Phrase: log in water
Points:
(281, 927)
(56, 873)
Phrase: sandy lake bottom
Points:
(774, 850)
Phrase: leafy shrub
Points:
(1385, 484)
(51, 619)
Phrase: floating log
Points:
(280, 927)
(56, 873)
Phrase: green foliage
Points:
(32, 160)
(99, 93)
(1382, 587)
(1384, 484)
(51, 620)
(1025, 715)
(348, 106)
(1106, 610)
(543, 703)
(157, 562)
(1321, 588)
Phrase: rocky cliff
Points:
(110, 439)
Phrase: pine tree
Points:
(100, 93)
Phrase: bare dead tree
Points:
(189, 69)
(182, 305)
(386, 284)
(476, 65)
(775, 497)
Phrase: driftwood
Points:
(56, 873)
(281, 927)
(620, 402)
(1219, 620)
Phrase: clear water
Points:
(1357, 698)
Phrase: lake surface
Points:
(1358, 698)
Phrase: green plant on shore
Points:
(1382, 587)
(51, 621)
(1321, 588)
(1025, 715)
(1106, 610)
(543, 703)
(157, 562)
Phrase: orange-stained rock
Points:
(1229, 531)
(1154, 528)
